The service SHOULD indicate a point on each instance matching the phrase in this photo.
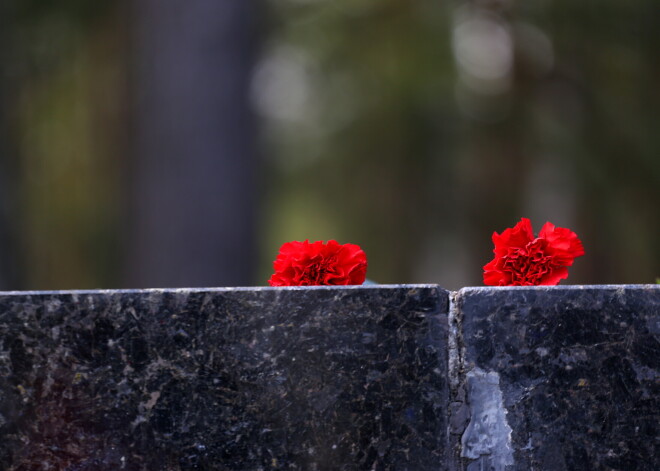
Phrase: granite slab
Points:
(558, 378)
(322, 378)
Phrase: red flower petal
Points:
(522, 260)
(555, 277)
(517, 236)
(563, 243)
(319, 263)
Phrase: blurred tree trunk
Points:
(193, 198)
(8, 274)
(3, 148)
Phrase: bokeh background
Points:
(162, 143)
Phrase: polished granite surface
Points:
(224, 379)
(560, 378)
(397, 378)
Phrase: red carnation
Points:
(522, 260)
(306, 264)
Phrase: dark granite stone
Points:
(559, 378)
(355, 378)
(228, 379)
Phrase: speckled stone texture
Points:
(228, 379)
(560, 378)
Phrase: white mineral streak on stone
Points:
(52, 305)
(454, 354)
(487, 437)
(153, 399)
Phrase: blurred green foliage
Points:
(396, 149)
(66, 106)
(414, 129)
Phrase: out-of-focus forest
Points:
(163, 143)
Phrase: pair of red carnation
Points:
(520, 259)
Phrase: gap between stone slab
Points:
(458, 413)
(478, 434)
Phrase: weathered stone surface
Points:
(560, 378)
(226, 379)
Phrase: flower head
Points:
(523, 260)
(306, 264)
